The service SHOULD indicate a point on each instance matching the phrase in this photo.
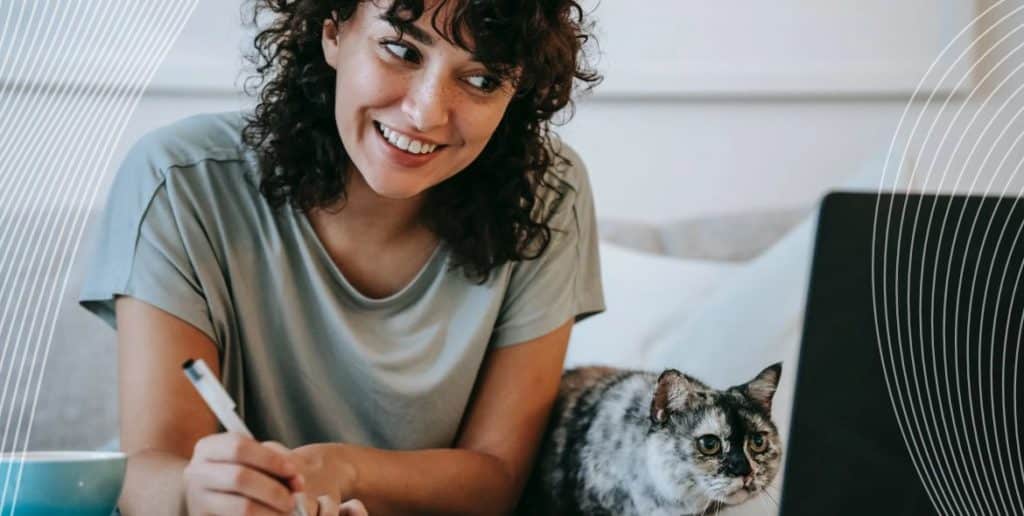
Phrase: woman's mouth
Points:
(404, 142)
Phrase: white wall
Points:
(785, 47)
(731, 142)
(659, 160)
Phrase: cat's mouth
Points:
(738, 492)
(739, 495)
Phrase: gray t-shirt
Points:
(306, 356)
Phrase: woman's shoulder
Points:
(567, 166)
(215, 136)
(195, 167)
(568, 182)
(201, 151)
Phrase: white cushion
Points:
(733, 237)
(643, 294)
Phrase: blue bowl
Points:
(57, 483)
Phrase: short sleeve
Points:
(565, 281)
(140, 250)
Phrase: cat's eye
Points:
(758, 443)
(709, 444)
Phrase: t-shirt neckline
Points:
(411, 288)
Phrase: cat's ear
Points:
(673, 388)
(761, 389)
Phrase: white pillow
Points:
(643, 293)
(750, 322)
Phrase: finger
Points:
(214, 502)
(229, 447)
(247, 482)
(312, 506)
(276, 446)
(328, 506)
(297, 483)
(353, 507)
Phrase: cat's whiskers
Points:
(773, 486)
(762, 500)
(770, 497)
(707, 506)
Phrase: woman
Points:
(382, 262)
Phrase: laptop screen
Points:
(909, 385)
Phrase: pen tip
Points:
(187, 364)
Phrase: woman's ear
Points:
(329, 41)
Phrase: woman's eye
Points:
(758, 443)
(401, 51)
(709, 444)
(484, 83)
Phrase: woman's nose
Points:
(427, 103)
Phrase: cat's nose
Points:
(736, 465)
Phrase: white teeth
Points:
(405, 143)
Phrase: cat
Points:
(631, 442)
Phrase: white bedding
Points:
(645, 294)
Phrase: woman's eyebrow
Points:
(411, 29)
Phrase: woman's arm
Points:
(166, 428)
(487, 470)
(160, 420)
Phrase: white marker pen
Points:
(223, 407)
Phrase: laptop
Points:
(909, 393)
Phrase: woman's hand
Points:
(329, 478)
(329, 506)
(230, 474)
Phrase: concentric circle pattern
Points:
(946, 276)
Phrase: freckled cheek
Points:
(478, 123)
(472, 127)
(370, 87)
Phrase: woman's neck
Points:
(365, 217)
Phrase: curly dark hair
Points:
(490, 213)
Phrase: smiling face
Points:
(412, 110)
